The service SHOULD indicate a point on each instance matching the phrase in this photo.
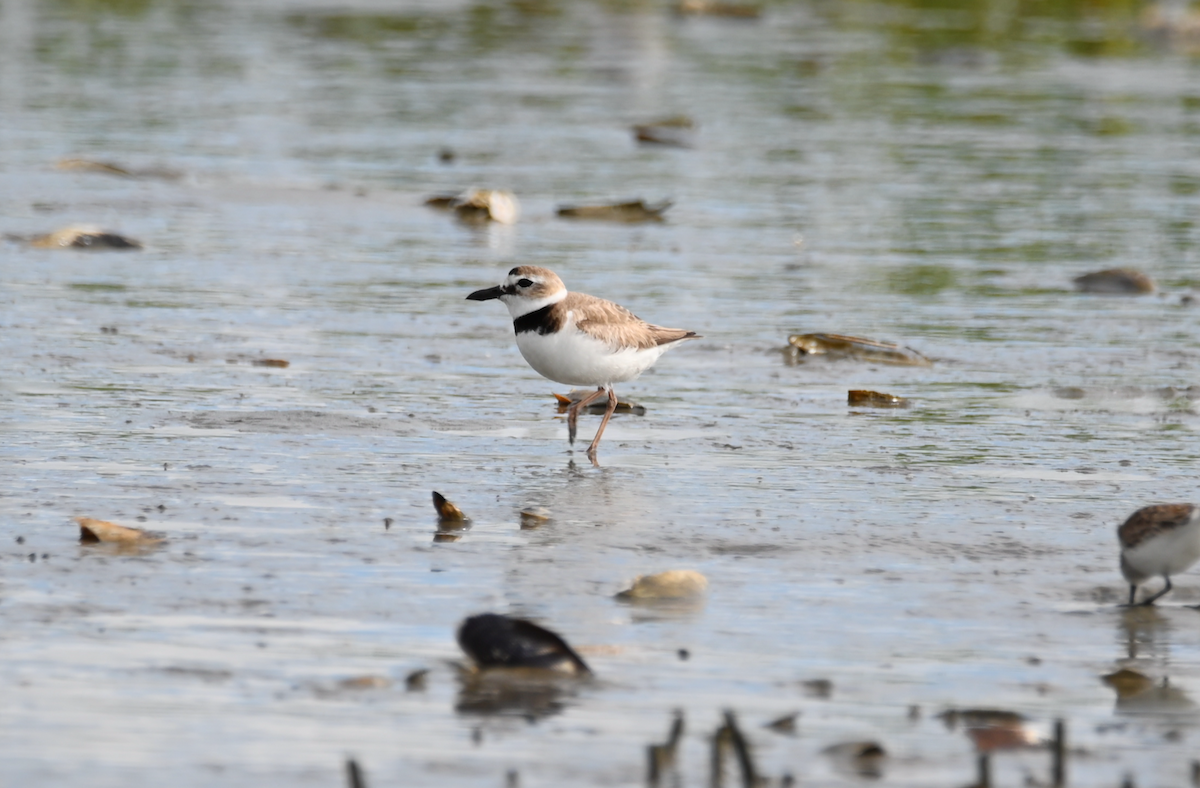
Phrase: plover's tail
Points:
(671, 336)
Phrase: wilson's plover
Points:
(577, 339)
(1159, 540)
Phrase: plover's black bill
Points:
(486, 294)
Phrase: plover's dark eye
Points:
(524, 283)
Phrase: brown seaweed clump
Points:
(678, 131)
(842, 346)
(111, 168)
(91, 165)
(874, 399)
(718, 8)
(574, 395)
(629, 212)
(1115, 281)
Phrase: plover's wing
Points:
(616, 326)
(1151, 521)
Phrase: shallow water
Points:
(911, 173)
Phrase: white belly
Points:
(1166, 554)
(573, 358)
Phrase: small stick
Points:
(745, 761)
(984, 770)
(654, 758)
(354, 775)
(662, 756)
(676, 732)
(1058, 767)
(720, 741)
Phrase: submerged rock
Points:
(90, 165)
(678, 131)
(81, 236)
(480, 205)
(534, 517)
(842, 346)
(495, 641)
(875, 399)
(673, 584)
(416, 679)
(448, 513)
(784, 724)
(1128, 683)
(1137, 692)
(574, 395)
(109, 168)
(864, 758)
(1115, 281)
(634, 211)
(818, 688)
(718, 8)
(370, 682)
(92, 531)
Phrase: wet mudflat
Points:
(927, 178)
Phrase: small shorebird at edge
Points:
(1159, 540)
(577, 339)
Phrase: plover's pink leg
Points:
(573, 413)
(608, 412)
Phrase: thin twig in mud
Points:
(354, 775)
(676, 732)
(720, 741)
(662, 756)
(655, 763)
(1058, 766)
(745, 761)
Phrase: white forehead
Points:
(544, 280)
(532, 277)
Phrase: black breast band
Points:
(539, 320)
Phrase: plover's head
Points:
(526, 289)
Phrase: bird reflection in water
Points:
(1145, 633)
(529, 693)
(521, 669)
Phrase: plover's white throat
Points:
(577, 339)
(1161, 540)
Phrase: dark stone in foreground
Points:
(496, 641)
